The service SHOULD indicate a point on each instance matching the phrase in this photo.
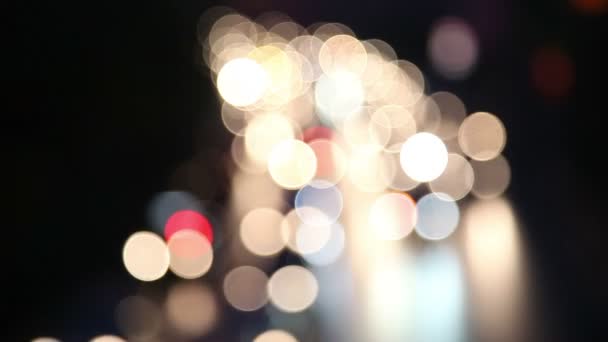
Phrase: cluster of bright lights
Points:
(317, 109)
(313, 111)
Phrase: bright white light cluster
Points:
(341, 127)
(316, 109)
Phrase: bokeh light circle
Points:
(260, 140)
(337, 96)
(166, 203)
(453, 48)
(260, 231)
(188, 219)
(492, 177)
(245, 288)
(438, 216)
(292, 164)
(191, 254)
(293, 288)
(191, 309)
(275, 335)
(312, 238)
(145, 256)
(457, 180)
(319, 203)
(331, 250)
(482, 136)
(242, 82)
(392, 216)
(139, 317)
(370, 168)
(423, 157)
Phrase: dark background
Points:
(106, 99)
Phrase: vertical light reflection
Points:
(380, 271)
(335, 303)
(391, 295)
(439, 313)
(496, 274)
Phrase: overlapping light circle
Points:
(329, 130)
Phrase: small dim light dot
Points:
(191, 308)
(292, 288)
(591, 6)
(138, 317)
(145, 256)
(453, 48)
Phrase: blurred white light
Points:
(242, 82)
(424, 157)
(311, 239)
(264, 132)
(145, 255)
(292, 164)
(260, 231)
(392, 216)
(337, 96)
